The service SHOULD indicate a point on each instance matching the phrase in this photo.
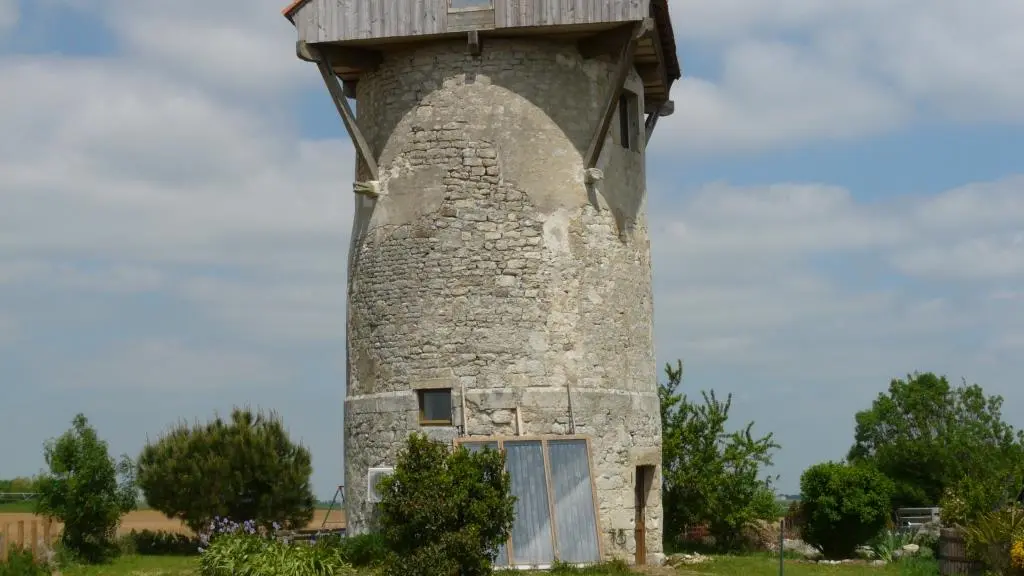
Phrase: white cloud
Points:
(169, 365)
(797, 71)
(8, 15)
(146, 166)
(277, 309)
(244, 46)
(10, 330)
(750, 276)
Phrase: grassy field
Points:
(153, 520)
(27, 507)
(138, 566)
(767, 566)
(16, 507)
(720, 566)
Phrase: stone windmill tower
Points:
(499, 272)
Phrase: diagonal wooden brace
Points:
(347, 116)
(640, 29)
(652, 119)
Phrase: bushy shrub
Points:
(83, 491)
(445, 512)
(246, 468)
(21, 562)
(974, 496)
(158, 543)
(844, 506)
(991, 537)
(245, 554)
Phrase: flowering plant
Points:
(233, 548)
(1017, 554)
(221, 526)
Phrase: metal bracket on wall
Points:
(368, 188)
(473, 42)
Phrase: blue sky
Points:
(838, 200)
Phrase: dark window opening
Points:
(629, 120)
(435, 407)
(467, 4)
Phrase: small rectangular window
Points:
(629, 120)
(470, 4)
(435, 407)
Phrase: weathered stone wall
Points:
(487, 265)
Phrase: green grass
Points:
(17, 507)
(138, 566)
(757, 565)
(764, 565)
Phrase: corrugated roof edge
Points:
(668, 39)
(290, 9)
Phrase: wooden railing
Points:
(32, 535)
(916, 517)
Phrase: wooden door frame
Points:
(644, 480)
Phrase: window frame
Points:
(629, 120)
(489, 6)
(422, 407)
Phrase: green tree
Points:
(244, 469)
(82, 490)
(19, 484)
(928, 436)
(445, 512)
(710, 476)
(843, 506)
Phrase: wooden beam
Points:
(473, 42)
(345, 56)
(325, 65)
(652, 121)
(614, 91)
(612, 41)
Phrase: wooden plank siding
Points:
(342, 20)
(530, 13)
(349, 20)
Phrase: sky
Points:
(837, 201)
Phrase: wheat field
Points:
(153, 520)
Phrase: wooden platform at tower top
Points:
(355, 34)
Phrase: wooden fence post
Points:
(5, 541)
(34, 544)
(21, 533)
(47, 537)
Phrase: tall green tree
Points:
(246, 468)
(86, 490)
(711, 476)
(927, 436)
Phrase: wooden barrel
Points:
(953, 558)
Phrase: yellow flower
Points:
(1017, 554)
